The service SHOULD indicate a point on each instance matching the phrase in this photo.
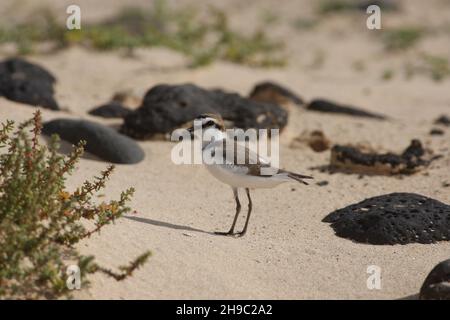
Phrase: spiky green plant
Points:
(41, 222)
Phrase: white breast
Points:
(233, 176)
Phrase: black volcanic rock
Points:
(436, 132)
(322, 105)
(168, 107)
(112, 109)
(353, 160)
(396, 218)
(28, 83)
(271, 92)
(101, 141)
(443, 120)
(437, 284)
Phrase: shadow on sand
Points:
(410, 297)
(166, 224)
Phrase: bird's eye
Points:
(209, 123)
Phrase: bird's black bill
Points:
(191, 132)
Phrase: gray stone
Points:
(327, 106)
(101, 141)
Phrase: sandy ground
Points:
(288, 252)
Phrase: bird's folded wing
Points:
(241, 159)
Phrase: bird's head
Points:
(207, 121)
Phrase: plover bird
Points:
(248, 175)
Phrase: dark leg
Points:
(240, 234)
(238, 210)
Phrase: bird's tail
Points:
(298, 177)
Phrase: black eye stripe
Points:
(209, 123)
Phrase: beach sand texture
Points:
(288, 253)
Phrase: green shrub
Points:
(435, 66)
(333, 6)
(301, 24)
(387, 74)
(402, 38)
(41, 221)
(203, 40)
(344, 6)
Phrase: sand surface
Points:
(288, 252)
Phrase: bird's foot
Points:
(228, 233)
(239, 234)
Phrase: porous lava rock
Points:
(272, 92)
(354, 160)
(395, 218)
(437, 284)
(168, 107)
(25, 82)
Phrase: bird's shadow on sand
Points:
(166, 224)
(410, 297)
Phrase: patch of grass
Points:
(42, 26)
(304, 23)
(435, 67)
(402, 38)
(359, 65)
(333, 6)
(268, 17)
(41, 221)
(180, 29)
(387, 74)
(254, 50)
(342, 6)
